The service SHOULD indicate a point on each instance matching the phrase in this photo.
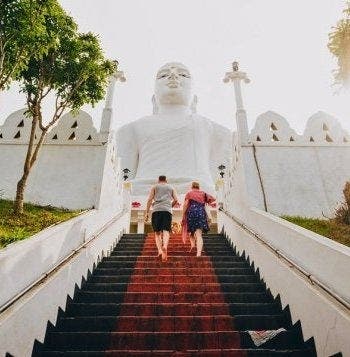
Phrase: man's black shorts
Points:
(161, 221)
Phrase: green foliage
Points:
(75, 70)
(82, 72)
(332, 229)
(339, 46)
(35, 219)
(342, 213)
(23, 34)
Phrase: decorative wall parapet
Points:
(16, 128)
(70, 130)
(321, 129)
(78, 168)
(272, 128)
(324, 128)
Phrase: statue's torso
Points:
(173, 146)
(176, 146)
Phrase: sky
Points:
(281, 44)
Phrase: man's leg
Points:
(166, 236)
(199, 238)
(157, 231)
(167, 218)
(158, 238)
(165, 246)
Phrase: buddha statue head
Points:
(173, 85)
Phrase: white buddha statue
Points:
(175, 141)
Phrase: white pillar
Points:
(110, 92)
(238, 93)
(107, 115)
(140, 222)
(236, 77)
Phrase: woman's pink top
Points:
(199, 196)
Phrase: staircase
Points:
(135, 305)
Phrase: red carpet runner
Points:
(176, 307)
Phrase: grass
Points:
(34, 219)
(329, 228)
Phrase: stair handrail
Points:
(62, 262)
(309, 277)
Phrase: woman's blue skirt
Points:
(197, 217)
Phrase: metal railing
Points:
(309, 277)
(61, 263)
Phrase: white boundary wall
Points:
(69, 169)
(87, 164)
(321, 316)
(27, 319)
(301, 175)
(44, 250)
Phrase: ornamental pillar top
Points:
(236, 74)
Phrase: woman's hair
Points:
(195, 184)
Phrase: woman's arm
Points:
(184, 209)
(210, 198)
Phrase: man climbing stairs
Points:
(135, 305)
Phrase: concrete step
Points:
(149, 341)
(164, 323)
(173, 309)
(184, 353)
(175, 287)
(143, 278)
(173, 262)
(122, 270)
(172, 297)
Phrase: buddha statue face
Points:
(173, 85)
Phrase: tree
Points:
(74, 71)
(339, 46)
(22, 34)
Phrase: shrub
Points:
(342, 213)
